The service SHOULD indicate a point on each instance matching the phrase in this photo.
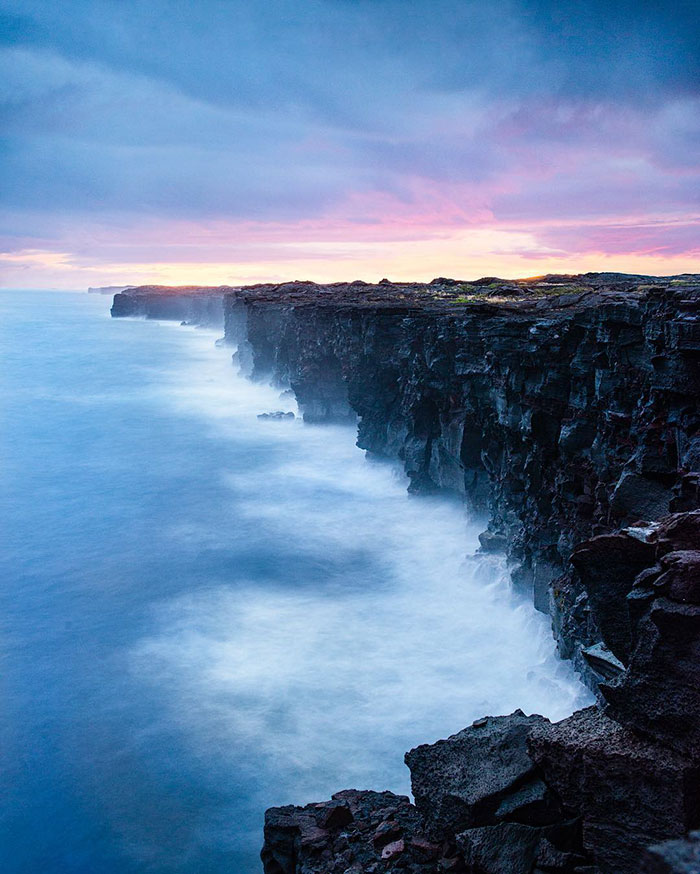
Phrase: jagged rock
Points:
(369, 832)
(628, 792)
(681, 575)
(277, 416)
(492, 542)
(679, 531)
(554, 411)
(480, 776)
(565, 406)
(607, 566)
(603, 661)
(659, 693)
(387, 832)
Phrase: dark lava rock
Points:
(640, 497)
(628, 792)
(480, 776)
(564, 410)
(681, 575)
(369, 832)
(607, 566)
(492, 542)
(277, 416)
(565, 407)
(659, 693)
(505, 847)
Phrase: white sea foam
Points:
(405, 640)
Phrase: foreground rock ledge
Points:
(569, 407)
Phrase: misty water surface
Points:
(204, 614)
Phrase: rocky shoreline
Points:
(568, 406)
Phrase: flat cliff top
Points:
(552, 291)
(174, 290)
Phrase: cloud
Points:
(369, 118)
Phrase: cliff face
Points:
(569, 416)
(571, 411)
(192, 304)
(569, 407)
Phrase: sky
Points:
(234, 141)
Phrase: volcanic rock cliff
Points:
(569, 408)
(194, 304)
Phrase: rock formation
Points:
(569, 407)
(197, 305)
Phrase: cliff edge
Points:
(569, 408)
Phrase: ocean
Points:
(205, 613)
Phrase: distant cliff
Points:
(200, 305)
(569, 407)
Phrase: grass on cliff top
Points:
(555, 290)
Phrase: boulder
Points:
(628, 792)
(480, 776)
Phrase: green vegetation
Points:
(555, 290)
(467, 298)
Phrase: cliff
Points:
(194, 304)
(569, 409)
(568, 406)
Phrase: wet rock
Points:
(277, 416)
(492, 542)
(603, 661)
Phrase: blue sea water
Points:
(204, 614)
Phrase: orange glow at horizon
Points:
(419, 261)
(183, 253)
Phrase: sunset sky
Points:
(249, 140)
